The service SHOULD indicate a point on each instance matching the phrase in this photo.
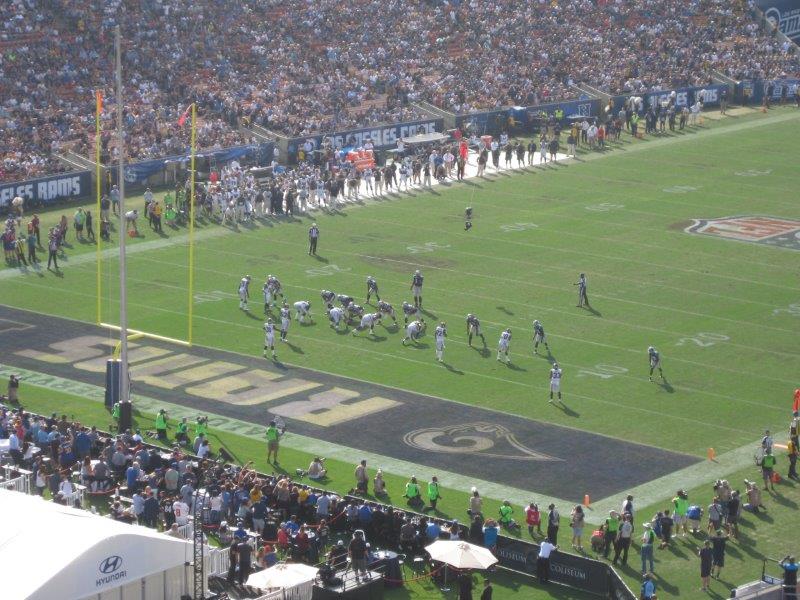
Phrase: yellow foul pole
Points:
(191, 222)
(98, 187)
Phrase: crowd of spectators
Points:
(299, 71)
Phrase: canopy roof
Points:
(53, 551)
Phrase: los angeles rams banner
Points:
(47, 190)
(711, 95)
(140, 172)
(494, 121)
(783, 14)
(382, 138)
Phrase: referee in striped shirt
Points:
(313, 236)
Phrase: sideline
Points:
(647, 494)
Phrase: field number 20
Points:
(603, 371)
(703, 339)
(792, 309)
(517, 227)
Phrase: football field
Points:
(689, 242)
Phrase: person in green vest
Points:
(433, 492)
(634, 124)
(507, 515)
(413, 493)
(611, 530)
(273, 436)
(182, 432)
(681, 506)
(115, 410)
(767, 468)
(201, 427)
(161, 425)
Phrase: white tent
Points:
(283, 575)
(49, 551)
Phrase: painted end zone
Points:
(427, 431)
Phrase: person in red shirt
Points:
(796, 404)
(533, 518)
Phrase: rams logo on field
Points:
(486, 439)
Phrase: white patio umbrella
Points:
(461, 555)
(282, 575)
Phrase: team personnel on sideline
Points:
(539, 337)
(474, 328)
(327, 299)
(416, 287)
(303, 309)
(439, 334)
(244, 292)
(286, 319)
(336, 316)
(414, 330)
(387, 310)
(502, 346)
(368, 321)
(409, 311)
(269, 338)
(555, 382)
(583, 299)
(655, 362)
(372, 288)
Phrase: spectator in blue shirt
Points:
(490, 532)
(648, 588)
(132, 477)
(364, 515)
(432, 531)
(83, 444)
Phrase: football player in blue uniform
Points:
(372, 288)
(416, 287)
(539, 337)
(655, 362)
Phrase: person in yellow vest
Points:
(201, 427)
(182, 432)
(433, 492)
(791, 451)
(273, 436)
(681, 507)
(507, 515)
(115, 411)
(611, 529)
(413, 493)
(161, 425)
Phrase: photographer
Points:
(13, 388)
(161, 425)
(789, 577)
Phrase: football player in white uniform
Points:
(244, 292)
(502, 346)
(269, 338)
(439, 334)
(336, 316)
(414, 330)
(655, 362)
(539, 337)
(303, 309)
(286, 319)
(555, 382)
(368, 321)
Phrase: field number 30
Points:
(703, 339)
(603, 371)
(793, 310)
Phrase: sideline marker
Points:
(711, 454)
(586, 500)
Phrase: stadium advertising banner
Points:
(568, 569)
(381, 137)
(47, 190)
(783, 14)
(494, 120)
(683, 96)
(781, 88)
(140, 172)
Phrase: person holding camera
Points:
(161, 425)
(273, 435)
(13, 388)
(317, 470)
(789, 566)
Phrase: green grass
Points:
(611, 218)
(676, 568)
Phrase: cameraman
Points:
(13, 388)
(316, 469)
(789, 577)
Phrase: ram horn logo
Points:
(473, 438)
(110, 564)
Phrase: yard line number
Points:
(753, 173)
(326, 270)
(517, 227)
(792, 310)
(604, 207)
(213, 296)
(426, 247)
(602, 371)
(680, 189)
(703, 339)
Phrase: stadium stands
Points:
(297, 71)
